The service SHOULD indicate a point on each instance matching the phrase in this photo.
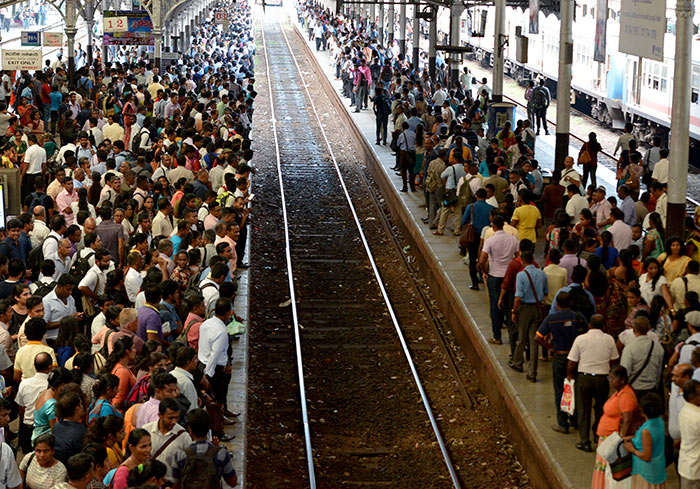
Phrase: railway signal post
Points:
(680, 120)
(498, 45)
(566, 53)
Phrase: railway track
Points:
(354, 359)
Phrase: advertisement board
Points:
(31, 39)
(642, 28)
(21, 59)
(138, 31)
(534, 16)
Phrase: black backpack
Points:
(36, 256)
(580, 302)
(200, 471)
(539, 98)
(136, 141)
(386, 74)
(81, 266)
(45, 288)
(384, 105)
(37, 199)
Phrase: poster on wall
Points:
(642, 28)
(601, 24)
(534, 17)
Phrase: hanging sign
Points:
(53, 39)
(21, 59)
(534, 8)
(601, 25)
(642, 28)
(31, 39)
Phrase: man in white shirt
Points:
(133, 278)
(167, 437)
(680, 374)
(213, 348)
(186, 363)
(660, 173)
(210, 285)
(35, 158)
(569, 175)
(687, 283)
(576, 203)
(62, 260)
(591, 355)
(58, 304)
(162, 225)
(28, 392)
(689, 422)
(50, 245)
(601, 209)
(93, 283)
(622, 233)
(41, 230)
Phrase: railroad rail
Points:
(313, 252)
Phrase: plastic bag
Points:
(567, 398)
(608, 449)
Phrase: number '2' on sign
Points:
(116, 24)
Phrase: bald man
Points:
(41, 230)
(62, 258)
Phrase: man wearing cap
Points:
(686, 351)
(601, 209)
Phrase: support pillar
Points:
(402, 28)
(680, 119)
(498, 39)
(372, 16)
(358, 18)
(71, 31)
(432, 46)
(416, 38)
(105, 49)
(381, 23)
(455, 28)
(390, 25)
(566, 53)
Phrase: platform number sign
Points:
(116, 24)
(31, 39)
(220, 17)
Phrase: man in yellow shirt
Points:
(526, 218)
(35, 329)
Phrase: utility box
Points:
(11, 192)
(521, 45)
(499, 114)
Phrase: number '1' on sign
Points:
(116, 24)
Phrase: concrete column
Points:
(432, 47)
(680, 119)
(390, 25)
(372, 15)
(381, 23)
(566, 50)
(498, 38)
(71, 31)
(416, 37)
(456, 14)
(358, 19)
(105, 50)
(402, 28)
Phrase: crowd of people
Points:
(585, 280)
(117, 279)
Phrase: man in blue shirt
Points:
(10, 246)
(478, 214)
(406, 141)
(564, 325)
(530, 288)
(170, 319)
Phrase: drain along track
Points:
(333, 275)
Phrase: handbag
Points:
(585, 157)
(568, 399)
(450, 196)
(622, 467)
(466, 236)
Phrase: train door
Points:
(633, 78)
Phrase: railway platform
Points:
(531, 404)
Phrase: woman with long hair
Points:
(138, 453)
(635, 303)
(82, 203)
(68, 329)
(118, 362)
(20, 294)
(674, 261)
(660, 321)
(648, 446)
(586, 221)
(95, 189)
(607, 253)
(588, 158)
(654, 240)
(45, 405)
(420, 153)
(104, 390)
(82, 368)
(109, 431)
(654, 283)
(40, 469)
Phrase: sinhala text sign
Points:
(21, 59)
(139, 31)
(53, 39)
(642, 28)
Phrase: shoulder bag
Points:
(450, 196)
(467, 235)
(540, 308)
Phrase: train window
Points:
(584, 10)
(593, 12)
(695, 84)
(664, 78)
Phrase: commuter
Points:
(643, 360)
(477, 214)
(540, 102)
(648, 446)
(591, 356)
(588, 158)
(624, 140)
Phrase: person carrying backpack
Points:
(540, 101)
(203, 465)
(382, 111)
